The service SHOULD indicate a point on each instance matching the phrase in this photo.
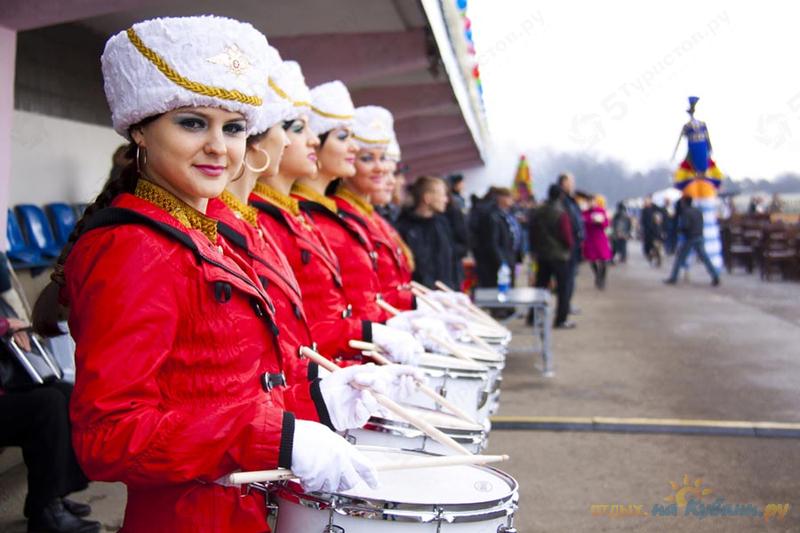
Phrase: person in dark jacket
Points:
(493, 243)
(690, 225)
(455, 214)
(650, 224)
(620, 233)
(566, 182)
(551, 236)
(427, 232)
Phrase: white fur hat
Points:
(331, 107)
(393, 150)
(276, 108)
(164, 64)
(288, 83)
(372, 127)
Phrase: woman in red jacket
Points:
(316, 266)
(176, 354)
(373, 133)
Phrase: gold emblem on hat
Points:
(234, 59)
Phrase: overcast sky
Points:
(613, 77)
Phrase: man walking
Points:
(551, 238)
(566, 183)
(690, 224)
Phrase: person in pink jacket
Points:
(596, 249)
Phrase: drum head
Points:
(481, 354)
(448, 485)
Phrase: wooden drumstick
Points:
(386, 306)
(441, 286)
(478, 319)
(420, 287)
(480, 342)
(425, 389)
(282, 474)
(393, 406)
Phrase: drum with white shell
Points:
(451, 499)
(464, 383)
(390, 431)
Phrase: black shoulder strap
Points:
(271, 210)
(233, 236)
(113, 216)
(315, 207)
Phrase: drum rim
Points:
(376, 509)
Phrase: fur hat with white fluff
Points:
(276, 108)
(164, 64)
(331, 107)
(372, 127)
(289, 85)
(393, 150)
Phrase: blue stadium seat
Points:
(37, 230)
(19, 252)
(62, 219)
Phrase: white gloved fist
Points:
(402, 381)
(449, 299)
(399, 346)
(349, 404)
(429, 331)
(324, 461)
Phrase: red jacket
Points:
(389, 264)
(172, 344)
(317, 271)
(236, 226)
(357, 259)
(394, 266)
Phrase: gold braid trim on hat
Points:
(247, 212)
(189, 85)
(325, 114)
(280, 92)
(361, 205)
(287, 203)
(371, 141)
(308, 193)
(180, 210)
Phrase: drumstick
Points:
(420, 287)
(429, 392)
(478, 320)
(386, 306)
(454, 348)
(393, 406)
(480, 342)
(282, 474)
(445, 288)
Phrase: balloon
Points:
(471, 49)
(467, 23)
(462, 4)
(476, 73)
(468, 35)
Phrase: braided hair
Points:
(47, 311)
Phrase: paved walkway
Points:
(641, 350)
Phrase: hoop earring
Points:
(262, 168)
(139, 163)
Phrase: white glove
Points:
(324, 461)
(428, 330)
(349, 405)
(402, 380)
(454, 299)
(400, 346)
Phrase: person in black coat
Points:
(455, 214)
(427, 232)
(493, 243)
(690, 225)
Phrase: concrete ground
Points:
(641, 349)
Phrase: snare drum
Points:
(457, 499)
(462, 382)
(390, 431)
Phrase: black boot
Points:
(54, 518)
